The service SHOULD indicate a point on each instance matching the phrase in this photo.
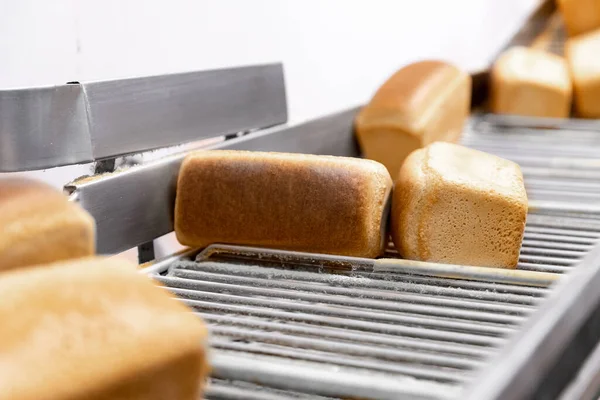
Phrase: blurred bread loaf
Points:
(531, 82)
(580, 16)
(459, 206)
(422, 103)
(96, 329)
(321, 204)
(583, 56)
(39, 225)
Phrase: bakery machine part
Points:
(351, 327)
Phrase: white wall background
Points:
(335, 52)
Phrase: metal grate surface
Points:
(278, 318)
(222, 389)
(296, 323)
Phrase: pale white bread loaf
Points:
(95, 328)
(580, 16)
(583, 56)
(531, 82)
(421, 103)
(321, 204)
(39, 225)
(457, 205)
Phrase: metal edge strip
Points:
(382, 265)
(139, 114)
(159, 266)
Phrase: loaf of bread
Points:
(422, 103)
(39, 225)
(320, 204)
(580, 16)
(583, 56)
(95, 328)
(531, 82)
(456, 205)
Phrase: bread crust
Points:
(582, 56)
(39, 225)
(421, 103)
(531, 82)
(96, 328)
(321, 204)
(459, 206)
(580, 16)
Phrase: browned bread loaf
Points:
(459, 206)
(300, 202)
(39, 225)
(531, 82)
(96, 329)
(422, 103)
(583, 56)
(580, 16)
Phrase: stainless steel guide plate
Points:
(52, 126)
